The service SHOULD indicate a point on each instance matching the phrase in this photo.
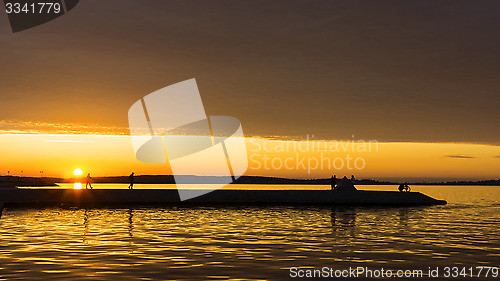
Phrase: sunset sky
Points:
(418, 77)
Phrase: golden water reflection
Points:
(251, 243)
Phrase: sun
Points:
(78, 172)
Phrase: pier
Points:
(137, 197)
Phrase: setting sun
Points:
(78, 172)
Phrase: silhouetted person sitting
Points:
(404, 187)
(333, 182)
(89, 181)
(353, 179)
(131, 180)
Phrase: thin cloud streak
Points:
(38, 127)
(459, 156)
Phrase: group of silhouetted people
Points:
(345, 183)
(130, 179)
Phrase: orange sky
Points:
(418, 71)
(106, 155)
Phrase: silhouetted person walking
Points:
(89, 181)
(333, 181)
(131, 180)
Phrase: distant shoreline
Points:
(7, 181)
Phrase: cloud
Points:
(459, 156)
(496, 156)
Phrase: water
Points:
(251, 243)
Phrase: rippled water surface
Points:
(257, 243)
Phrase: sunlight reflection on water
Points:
(247, 242)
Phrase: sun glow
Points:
(77, 185)
(78, 172)
(113, 156)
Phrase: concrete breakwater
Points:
(125, 197)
